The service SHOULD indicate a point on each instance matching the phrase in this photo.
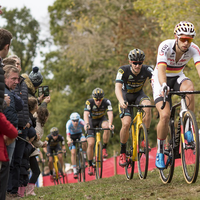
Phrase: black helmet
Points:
(54, 131)
(136, 55)
(98, 93)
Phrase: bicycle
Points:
(189, 150)
(80, 160)
(98, 161)
(57, 176)
(137, 145)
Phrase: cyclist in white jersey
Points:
(172, 57)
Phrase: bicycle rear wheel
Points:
(129, 168)
(99, 161)
(190, 150)
(143, 152)
(167, 173)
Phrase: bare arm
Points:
(162, 74)
(118, 93)
(198, 69)
(86, 119)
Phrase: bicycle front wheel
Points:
(143, 152)
(167, 173)
(129, 168)
(190, 148)
(99, 161)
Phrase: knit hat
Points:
(36, 77)
(31, 132)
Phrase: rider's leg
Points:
(84, 146)
(60, 158)
(90, 149)
(124, 132)
(106, 136)
(73, 160)
(162, 131)
(51, 164)
(147, 118)
(187, 85)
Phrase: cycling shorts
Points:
(95, 123)
(57, 149)
(173, 82)
(132, 98)
(74, 137)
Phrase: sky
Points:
(39, 10)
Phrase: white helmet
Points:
(74, 116)
(185, 28)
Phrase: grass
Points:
(117, 187)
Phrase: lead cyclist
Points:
(172, 57)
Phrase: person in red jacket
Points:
(7, 134)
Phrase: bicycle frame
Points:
(135, 129)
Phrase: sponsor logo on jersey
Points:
(94, 107)
(87, 103)
(130, 77)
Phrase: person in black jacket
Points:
(24, 124)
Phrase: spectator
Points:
(42, 117)
(16, 103)
(7, 131)
(24, 124)
(25, 165)
(33, 81)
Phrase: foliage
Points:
(94, 39)
(25, 30)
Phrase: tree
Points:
(25, 30)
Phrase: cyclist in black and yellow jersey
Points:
(94, 116)
(128, 88)
(53, 140)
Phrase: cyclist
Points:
(74, 131)
(53, 140)
(128, 89)
(94, 115)
(173, 55)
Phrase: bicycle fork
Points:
(138, 121)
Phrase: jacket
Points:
(23, 115)
(6, 128)
(16, 104)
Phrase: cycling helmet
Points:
(74, 116)
(98, 93)
(185, 28)
(54, 131)
(136, 55)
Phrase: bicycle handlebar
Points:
(136, 106)
(101, 129)
(177, 93)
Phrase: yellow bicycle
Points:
(137, 145)
(58, 177)
(98, 161)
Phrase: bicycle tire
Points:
(82, 167)
(99, 161)
(167, 173)
(78, 165)
(143, 152)
(190, 153)
(129, 168)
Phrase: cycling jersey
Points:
(95, 112)
(132, 83)
(71, 130)
(174, 71)
(167, 56)
(52, 143)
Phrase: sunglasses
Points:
(54, 134)
(98, 99)
(75, 120)
(184, 39)
(137, 62)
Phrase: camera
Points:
(43, 90)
